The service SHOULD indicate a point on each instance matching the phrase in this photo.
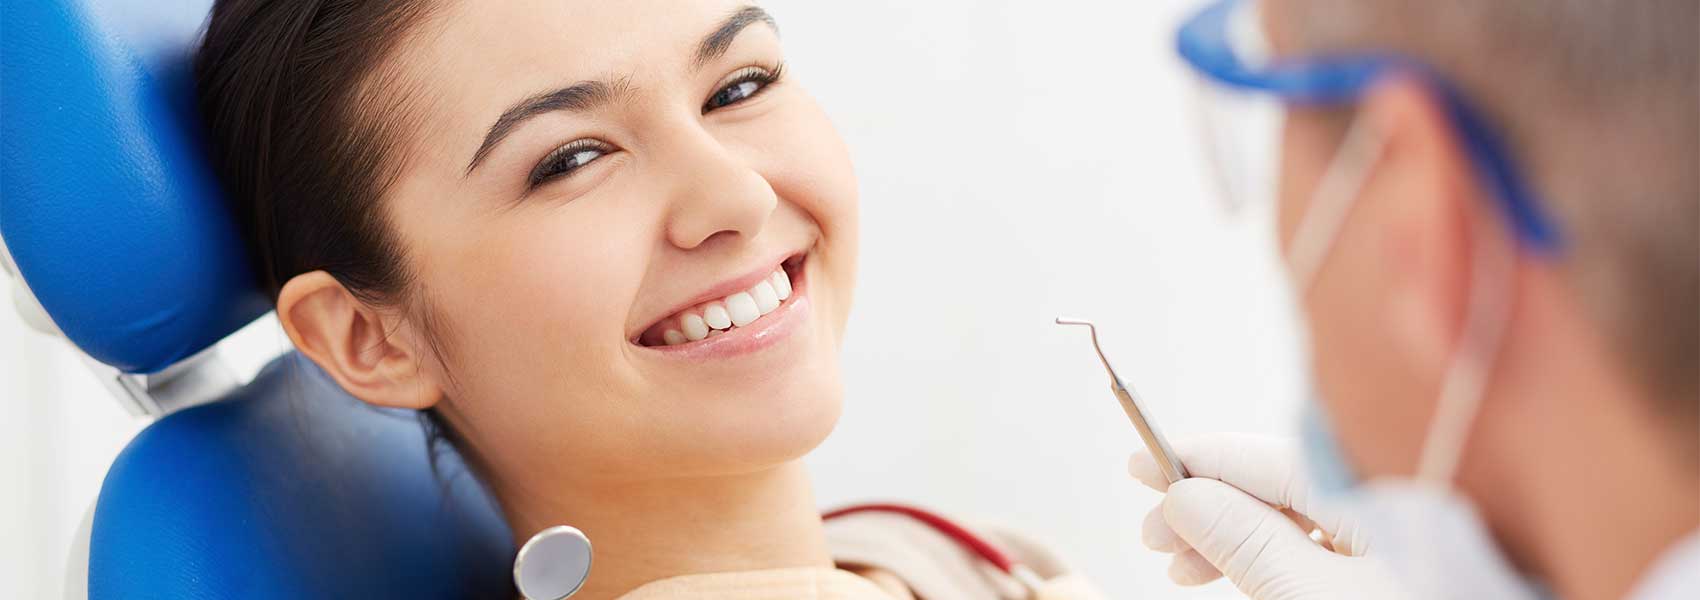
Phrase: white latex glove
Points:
(1247, 514)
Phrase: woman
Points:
(613, 235)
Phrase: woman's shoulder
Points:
(938, 566)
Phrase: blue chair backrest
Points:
(292, 489)
(287, 489)
(109, 210)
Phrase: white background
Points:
(1019, 160)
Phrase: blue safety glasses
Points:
(1225, 44)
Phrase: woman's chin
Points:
(755, 411)
(758, 430)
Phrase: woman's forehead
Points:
(583, 37)
(476, 59)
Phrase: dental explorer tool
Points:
(1167, 460)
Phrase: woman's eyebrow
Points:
(586, 95)
(717, 42)
(580, 96)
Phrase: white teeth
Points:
(673, 337)
(742, 308)
(695, 327)
(736, 310)
(716, 316)
(766, 300)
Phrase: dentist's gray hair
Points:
(1600, 104)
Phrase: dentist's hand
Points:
(1246, 514)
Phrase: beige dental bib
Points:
(904, 559)
(776, 584)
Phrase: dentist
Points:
(1490, 212)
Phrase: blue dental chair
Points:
(284, 487)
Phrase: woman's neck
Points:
(648, 531)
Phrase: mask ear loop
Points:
(1471, 367)
(1335, 195)
(1466, 379)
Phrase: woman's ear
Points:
(364, 349)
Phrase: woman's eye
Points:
(734, 94)
(567, 159)
(741, 86)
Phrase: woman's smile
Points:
(744, 314)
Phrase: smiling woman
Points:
(608, 246)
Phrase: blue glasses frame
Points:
(1203, 42)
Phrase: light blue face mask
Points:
(1436, 543)
(1330, 474)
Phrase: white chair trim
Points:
(77, 564)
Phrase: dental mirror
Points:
(553, 564)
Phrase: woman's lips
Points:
(764, 333)
(759, 329)
(733, 305)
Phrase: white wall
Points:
(1019, 160)
(58, 432)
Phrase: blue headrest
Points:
(293, 489)
(289, 488)
(106, 203)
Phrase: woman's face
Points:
(596, 182)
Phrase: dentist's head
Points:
(606, 243)
(1553, 385)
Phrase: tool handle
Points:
(1167, 460)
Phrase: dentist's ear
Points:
(1429, 215)
(371, 353)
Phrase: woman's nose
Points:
(716, 195)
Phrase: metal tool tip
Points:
(1071, 321)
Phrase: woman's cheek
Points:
(811, 167)
(547, 292)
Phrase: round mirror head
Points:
(553, 564)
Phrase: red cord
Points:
(955, 532)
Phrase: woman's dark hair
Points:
(304, 130)
(303, 148)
